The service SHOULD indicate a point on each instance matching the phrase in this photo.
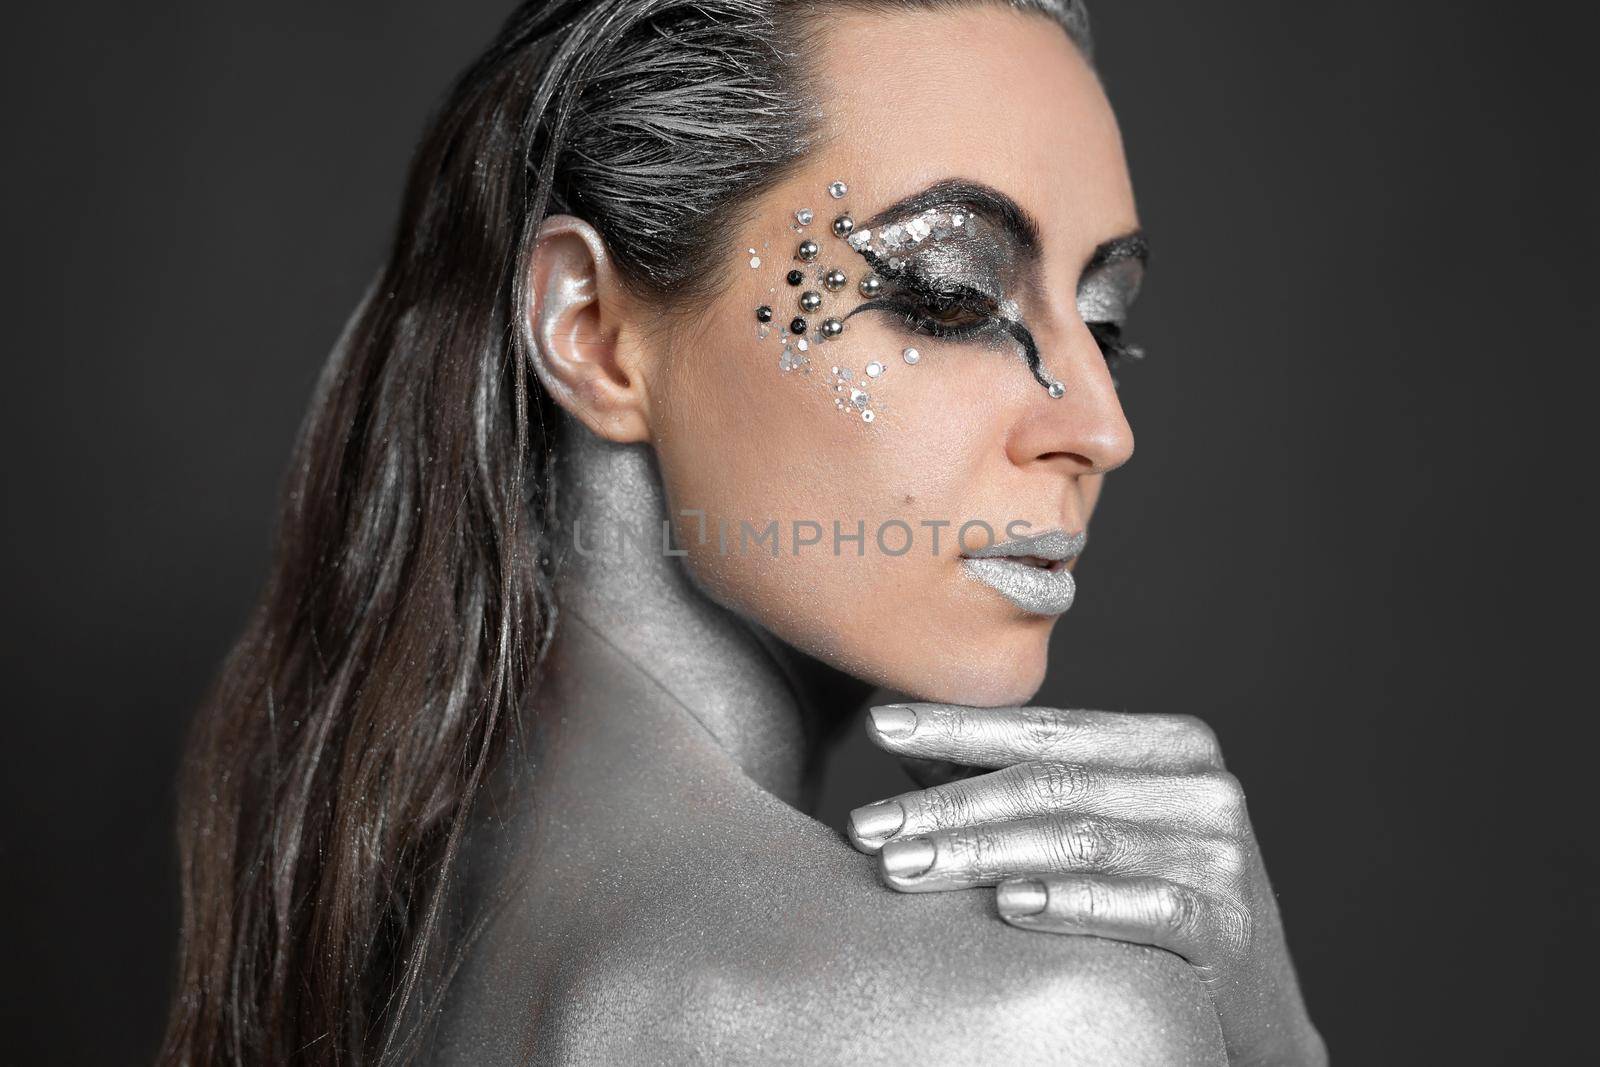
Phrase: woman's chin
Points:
(1005, 670)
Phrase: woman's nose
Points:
(1085, 427)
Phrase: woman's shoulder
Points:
(767, 938)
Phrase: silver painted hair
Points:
(667, 115)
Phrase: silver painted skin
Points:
(644, 889)
(642, 884)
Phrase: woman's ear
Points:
(584, 352)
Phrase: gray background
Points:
(1370, 222)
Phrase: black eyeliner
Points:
(927, 289)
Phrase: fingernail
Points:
(872, 824)
(1021, 897)
(894, 720)
(908, 858)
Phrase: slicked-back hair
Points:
(329, 775)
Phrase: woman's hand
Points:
(1119, 826)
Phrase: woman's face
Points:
(1024, 240)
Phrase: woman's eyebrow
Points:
(982, 200)
(1131, 245)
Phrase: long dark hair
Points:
(328, 777)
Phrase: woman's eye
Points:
(1108, 335)
(954, 315)
(948, 312)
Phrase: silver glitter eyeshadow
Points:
(898, 238)
(1106, 294)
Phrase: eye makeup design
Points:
(949, 273)
(1109, 285)
(944, 262)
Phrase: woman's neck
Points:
(620, 579)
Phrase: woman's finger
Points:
(999, 737)
(1211, 801)
(1060, 844)
(1204, 929)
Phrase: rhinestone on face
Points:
(835, 280)
(838, 189)
(763, 313)
(911, 355)
(843, 225)
(794, 277)
(810, 300)
(832, 327)
(804, 216)
(807, 250)
(1057, 390)
(874, 369)
(870, 285)
(797, 325)
(866, 416)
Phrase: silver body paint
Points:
(645, 887)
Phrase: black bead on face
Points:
(795, 277)
(797, 326)
(763, 313)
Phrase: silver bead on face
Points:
(807, 250)
(835, 280)
(838, 189)
(832, 327)
(843, 225)
(810, 300)
(870, 285)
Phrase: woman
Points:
(734, 359)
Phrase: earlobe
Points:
(576, 318)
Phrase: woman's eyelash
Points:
(924, 307)
(921, 307)
(1108, 335)
(949, 311)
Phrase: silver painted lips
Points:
(1052, 545)
(1034, 589)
